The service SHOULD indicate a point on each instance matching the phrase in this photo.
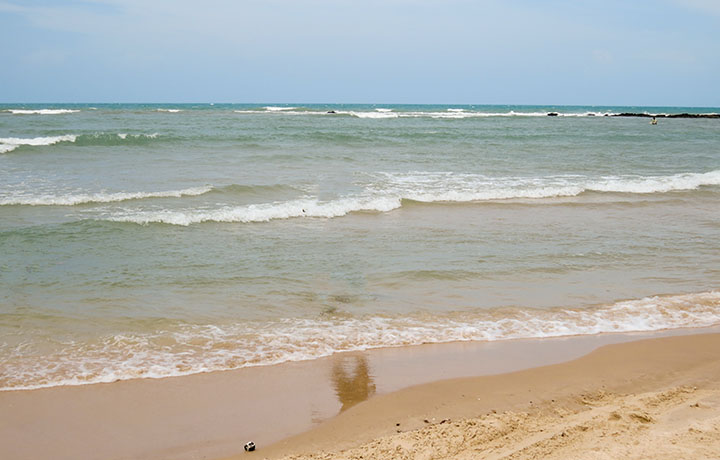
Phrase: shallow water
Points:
(154, 240)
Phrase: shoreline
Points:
(242, 347)
(214, 414)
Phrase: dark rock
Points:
(670, 115)
(632, 114)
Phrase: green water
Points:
(141, 242)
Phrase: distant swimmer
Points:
(653, 121)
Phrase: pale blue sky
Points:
(610, 52)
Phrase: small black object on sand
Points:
(250, 446)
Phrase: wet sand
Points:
(212, 415)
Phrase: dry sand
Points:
(657, 398)
(680, 422)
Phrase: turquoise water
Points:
(143, 240)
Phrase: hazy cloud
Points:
(347, 50)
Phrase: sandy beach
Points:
(432, 401)
(657, 398)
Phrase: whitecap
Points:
(8, 144)
(97, 197)
(260, 212)
(375, 115)
(434, 187)
(278, 109)
(41, 111)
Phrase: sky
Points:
(564, 52)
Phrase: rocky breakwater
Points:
(667, 115)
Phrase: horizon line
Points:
(2, 103)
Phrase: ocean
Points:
(153, 240)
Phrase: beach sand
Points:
(662, 392)
(657, 398)
(676, 423)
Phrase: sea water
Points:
(151, 240)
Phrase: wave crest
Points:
(100, 197)
(41, 111)
(388, 191)
(8, 144)
(260, 212)
(278, 109)
(452, 187)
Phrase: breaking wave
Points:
(386, 192)
(385, 113)
(194, 348)
(259, 212)
(40, 111)
(8, 144)
(115, 139)
(100, 197)
(278, 109)
(433, 187)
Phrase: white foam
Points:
(372, 114)
(280, 112)
(41, 111)
(278, 109)
(8, 144)
(260, 212)
(169, 110)
(386, 191)
(99, 197)
(381, 113)
(433, 187)
(654, 184)
(124, 136)
(188, 349)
